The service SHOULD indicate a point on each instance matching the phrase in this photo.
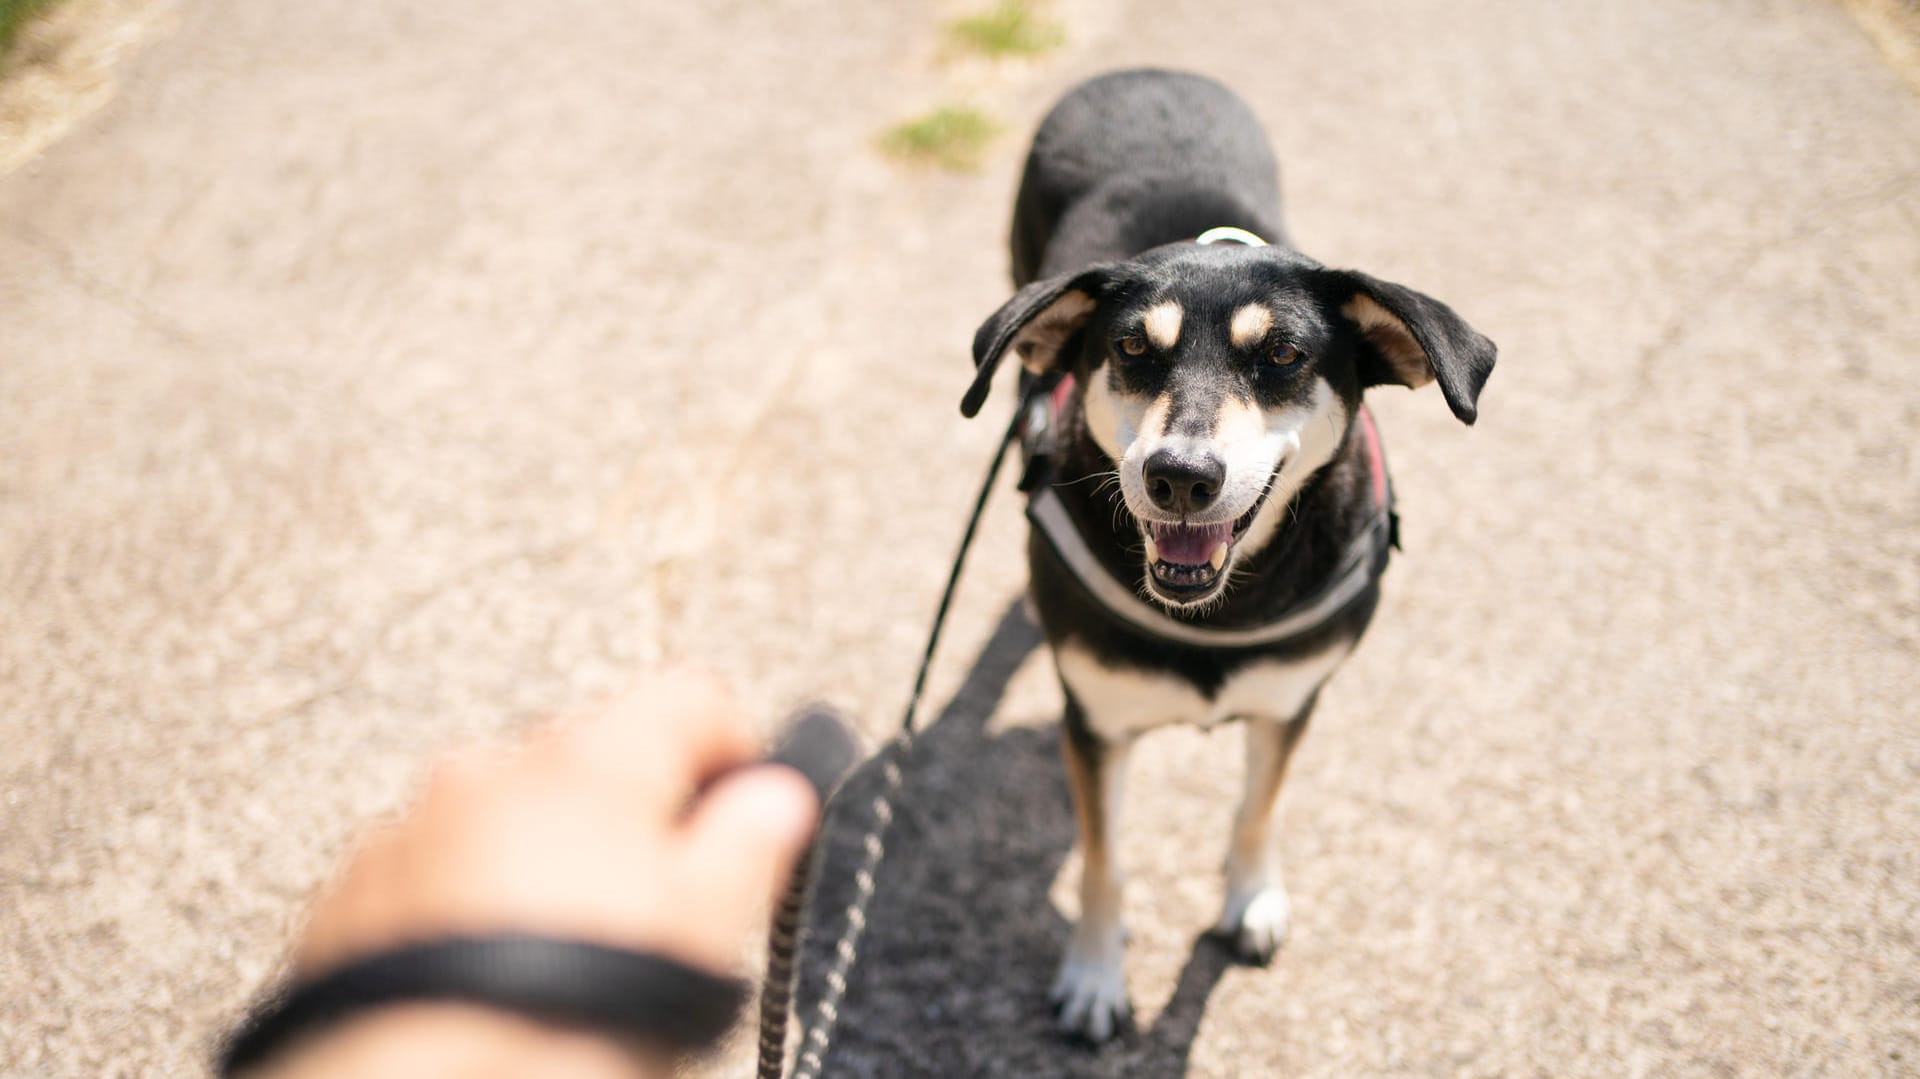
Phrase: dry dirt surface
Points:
(375, 377)
(61, 68)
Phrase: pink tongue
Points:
(1190, 545)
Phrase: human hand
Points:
(601, 827)
(635, 824)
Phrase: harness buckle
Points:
(1038, 440)
(1039, 431)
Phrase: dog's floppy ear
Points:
(1414, 339)
(1037, 323)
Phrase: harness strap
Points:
(1364, 561)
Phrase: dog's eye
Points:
(1284, 355)
(1133, 346)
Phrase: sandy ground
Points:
(63, 68)
(377, 377)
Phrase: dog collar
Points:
(1362, 563)
(1229, 234)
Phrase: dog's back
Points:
(1135, 159)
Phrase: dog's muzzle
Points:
(1186, 560)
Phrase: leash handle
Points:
(819, 745)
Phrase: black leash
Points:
(789, 920)
(960, 556)
(820, 745)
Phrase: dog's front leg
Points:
(1091, 989)
(1257, 910)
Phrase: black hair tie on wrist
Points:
(628, 995)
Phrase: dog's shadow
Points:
(961, 942)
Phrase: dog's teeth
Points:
(1153, 551)
(1218, 559)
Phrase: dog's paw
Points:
(1090, 996)
(1256, 922)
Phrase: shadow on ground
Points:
(962, 940)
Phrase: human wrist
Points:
(631, 996)
(462, 1041)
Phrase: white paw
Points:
(1255, 921)
(1090, 993)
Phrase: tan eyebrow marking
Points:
(1162, 324)
(1250, 325)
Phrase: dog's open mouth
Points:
(1186, 560)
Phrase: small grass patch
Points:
(952, 137)
(13, 15)
(1009, 28)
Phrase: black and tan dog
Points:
(1209, 535)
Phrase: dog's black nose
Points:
(1184, 483)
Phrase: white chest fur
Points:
(1122, 701)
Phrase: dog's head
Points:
(1219, 378)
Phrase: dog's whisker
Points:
(1103, 477)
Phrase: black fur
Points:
(1136, 159)
(1123, 174)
